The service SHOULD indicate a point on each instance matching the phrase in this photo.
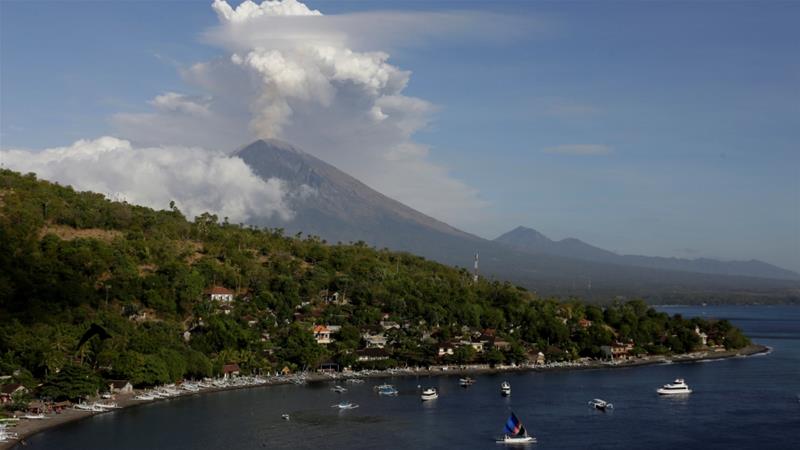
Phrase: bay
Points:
(738, 403)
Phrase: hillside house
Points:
(8, 391)
(703, 337)
(446, 349)
(219, 294)
(375, 340)
(372, 354)
(322, 334)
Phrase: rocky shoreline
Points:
(28, 427)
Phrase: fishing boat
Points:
(388, 390)
(429, 394)
(466, 382)
(515, 432)
(339, 389)
(113, 405)
(6, 436)
(505, 388)
(600, 404)
(677, 387)
(345, 405)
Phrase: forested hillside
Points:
(72, 261)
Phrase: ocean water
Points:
(738, 403)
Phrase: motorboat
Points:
(382, 386)
(466, 382)
(677, 387)
(430, 394)
(285, 416)
(600, 404)
(339, 389)
(505, 388)
(345, 405)
(354, 380)
(388, 390)
(515, 432)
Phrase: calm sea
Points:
(737, 404)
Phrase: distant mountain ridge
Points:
(340, 208)
(530, 240)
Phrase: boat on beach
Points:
(515, 432)
(600, 404)
(429, 394)
(34, 416)
(677, 387)
(505, 389)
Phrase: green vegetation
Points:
(69, 260)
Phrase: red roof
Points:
(219, 290)
(230, 368)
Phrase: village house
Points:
(322, 334)
(372, 354)
(446, 349)
(474, 343)
(226, 308)
(585, 323)
(230, 370)
(388, 325)
(219, 294)
(8, 391)
(375, 340)
(621, 351)
(120, 387)
(703, 337)
(501, 344)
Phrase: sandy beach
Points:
(28, 427)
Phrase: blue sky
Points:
(661, 129)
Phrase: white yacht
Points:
(430, 394)
(505, 388)
(677, 387)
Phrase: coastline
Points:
(27, 428)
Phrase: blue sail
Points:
(514, 426)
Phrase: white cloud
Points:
(197, 180)
(306, 78)
(580, 149)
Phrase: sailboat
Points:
(515, 432)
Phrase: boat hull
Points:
(673, 392)
(517, 440)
